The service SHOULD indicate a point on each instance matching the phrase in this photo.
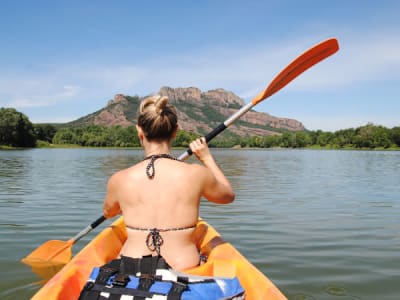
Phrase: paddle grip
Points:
(98, 222)
(217, 130)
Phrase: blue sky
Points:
(61, 60)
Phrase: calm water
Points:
(320, 224)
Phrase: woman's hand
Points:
(200, 149)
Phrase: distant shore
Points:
(314, 147)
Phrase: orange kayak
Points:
(223, 260)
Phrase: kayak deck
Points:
(223, 260)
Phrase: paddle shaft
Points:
(221, 127)
(88, 229)
(290, 72)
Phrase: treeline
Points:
(369, 136)
(114, 136)
(17, 131)
(98, 136)
(365, 137)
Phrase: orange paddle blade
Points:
(298, 66)
(52, 252)
(55, 252)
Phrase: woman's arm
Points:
(217, 187)
(111, 206)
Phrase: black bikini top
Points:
(150, 170)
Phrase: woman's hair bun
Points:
(161, 104)
(157, 117)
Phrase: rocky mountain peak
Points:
(190, 94)
(197, 111)
(118, 98)
(223, 97)
(219, 96)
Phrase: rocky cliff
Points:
(197, 111)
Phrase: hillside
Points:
(197, 111)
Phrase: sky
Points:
(61, 60)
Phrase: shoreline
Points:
(315, 147)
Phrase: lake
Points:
(320, 224)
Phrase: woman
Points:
(159, 197)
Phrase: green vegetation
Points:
(365, 137)
(45, 132)
(17, 131)
(98, 136)
(184, 138)
(115, 136)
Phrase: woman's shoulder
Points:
(197, 170)
(124, 173)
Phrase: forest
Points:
(17, 131)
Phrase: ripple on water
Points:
(319, 224)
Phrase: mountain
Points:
(197, 111)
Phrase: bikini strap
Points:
(154, 240)
(150, 170)
(162, 230)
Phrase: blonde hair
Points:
(157, 118)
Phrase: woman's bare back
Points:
(161, 210)
(155, 198)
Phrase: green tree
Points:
(15, 129)
(395, 135)
(44, 132)
(127, 137)
(65, 136)
(301, 139)
(371, 136)
(184, 138)
(344, 137)
(324, 138)
(381, 137)
(287, 140)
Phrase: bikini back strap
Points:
(154, 240)
(160, 229)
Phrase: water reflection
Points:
(320, 224)
(46, 271)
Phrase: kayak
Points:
(223, 261)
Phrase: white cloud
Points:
(249, 70)
(334, 123)
(360, 60)
(118, 78)
(246, 71)
(53, 119)
(26, 99)
(41, 89)
(26, 103)
(69, 91)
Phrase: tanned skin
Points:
(170, 200)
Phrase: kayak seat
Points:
(150, 277)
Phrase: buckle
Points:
(121, 280)
(104, 274)
(145, 282)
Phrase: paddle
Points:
(302, 63)
(60, 252)
(56, 252)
